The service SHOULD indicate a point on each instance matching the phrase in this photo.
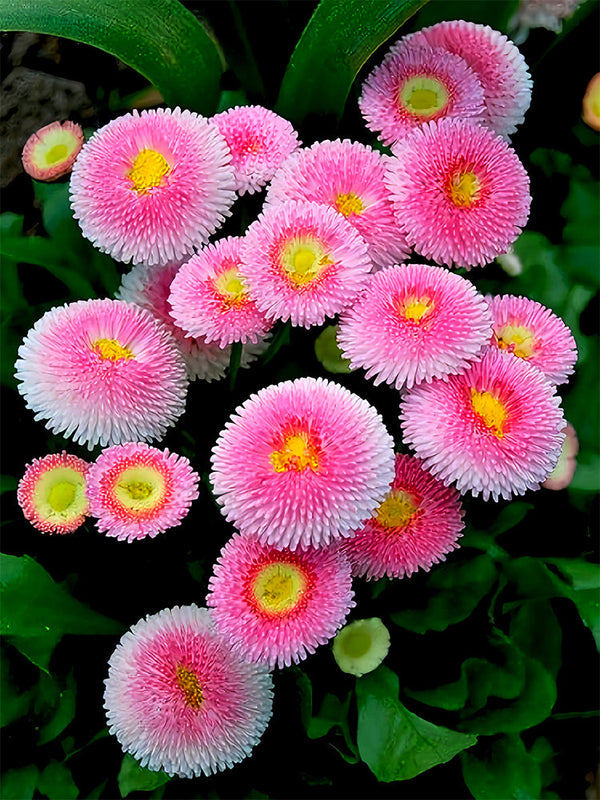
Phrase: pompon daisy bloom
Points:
(562, 474)
(260, 141)
(349, 177)
(136, 490)
(178, 698)
(151, 187)
(361, 646)
(277, 606)
(419, 521)
(533, 332)
(303, 262)
(591, 103)
(413, 323)
(460, 192)
(209, 299)
(414, 85)
(548, 14)
(51, 152)
(302, 463)
(496, 429)
(495, 60)
(102, 371)
(51, 493)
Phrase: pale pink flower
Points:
(50, 152)
(562, 474)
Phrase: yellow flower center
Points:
(416, 308)
(57, 153)
(111, 350)
(304, 261)
(464, 189)
(140, 488)
(149, 169)
(517, 339)
(297, 453)
(231, 288)
(348, 204)
(190, 687)
(61, 495)
(490, 410)
(279, 587)
(424, 96)
(397, 510)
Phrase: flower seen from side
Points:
(50, 152)
(591, 103)
(361, 646)
(562, 474)
(179, 699)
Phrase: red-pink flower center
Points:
(189, 686)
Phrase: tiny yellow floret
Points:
(304, 261)
(397, 509)
(348, 204)
(464, 189)
(278, 587)
(148, 170)
(62, 495)
(517, 339)
(111, 350)
(297, 453)
(490, 410)
(190, 687)
(424, 96)
(415, 309)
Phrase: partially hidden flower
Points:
(276, 606)
(361, 646)
(418, 523)
(349, 177)
(302, 463)
(151, 187)
(259, 140)
(548, 14)
(460, 192)
(495, 429)
(102, 371)
(179, 699)
(50, 152)
(136, 490)
(412, 323)
(51, 493)
(591, 103)
(562, 474)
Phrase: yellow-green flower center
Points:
(490, 410)
(304, 261)
(57, 153)
(516, 338)
(423, 96)
(189, 686)
(278, 587)
(348, 204)
(464, 189)
(148, 170)
(59, 494)
(140, 488)
(230, 287)
(397, 510)
(297, 453)
(111, 350)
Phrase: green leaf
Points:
(8, 483)
(135, 778)
(162, 40)
(328, 352)
(502, 768)
(56, 782)
(15, 703)
(337, 41)
(62, 701)
(19, 784)
(332, 712)
(535, 630)
(395, 743)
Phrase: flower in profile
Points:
(460, 192)
(349, 177)
(51, 493)
(151, 187)
(533, 332)
(417, 524)
(136, 490)
(495, 429)
(102, 371)
(51, 152)
(412, 323)
(260, 141)
(416, 84)
(361, 646)
(495, 60)
(303, 262)
(179, 699)
(562, 474)
(302, 463)
(209, 299)
(591, 103)
(277, 606)
(548, 14)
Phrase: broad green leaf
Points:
(510, 516)
(581, 574)
(56, 782)
(19, 784)
(501, 768)
(332, 712)
(15, 703)
(161, 40)
(535, 630)
(38, 649)
(62, 701)
(395, 743)
(135, 778)
(530, 578)
(328, 352)
(339, 38)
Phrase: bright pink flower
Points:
(302, 463)
(260, 141)
(413, 323)
(51, 152)
(180, 700)
(495, 429)
(102, 371)
(51, 493)
(562, 474)
(151, 187)
(303, 262)
(277, 606)
(419, 521)
(349, 177)
(460, 192)
(136, 490)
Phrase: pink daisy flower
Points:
(303, 262)
(277, 606)
(460, 192)
(208, 297)
(416, 84)
(302, 463)
(562, 474)
(414, 323)
(102, 371)
(533, 332)
(349, 177)
(495, 60)
(495, 429)
(419, 521)
(51, 493)
(180, 700)
(51, 152)
(136, 490)
(260, 141)
(151, 187)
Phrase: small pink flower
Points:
(562, 474)
(277, 606)
(51, 493)
(51, 152)
(136, 490)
